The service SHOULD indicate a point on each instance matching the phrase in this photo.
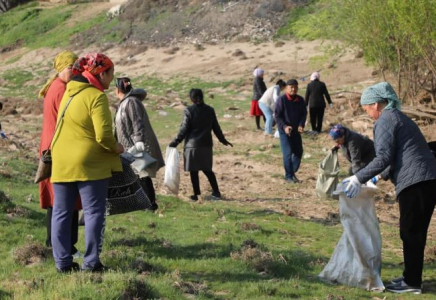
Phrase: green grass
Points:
(34, 27)
(187, 244)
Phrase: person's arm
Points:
(384, 133)
(217, 130)
(102, 122)
(276, 96)
(306, 99)
(184, 129)
(327, 95)
(262, 86)
(134, 111)
(355, 155)
(279, 114)
(303, 115)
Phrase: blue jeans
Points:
(93, 195)
(268, 113)
(292, 151)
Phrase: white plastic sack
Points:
(328, 175)
(172, 174)
(356, 260)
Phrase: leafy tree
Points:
(397, 36)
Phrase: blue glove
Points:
(375, 179)
(352, 186)
(3, 135)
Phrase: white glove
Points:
(352, 186)
(331, 105)
(140, 146)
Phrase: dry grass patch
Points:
(32, 253)
(250, 253)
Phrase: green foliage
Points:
(296, 15)
(395, 36)
(27, 24)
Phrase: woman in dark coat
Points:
(259, 89)
(198, 121)
(133, 128)
(356, 148)
(315, 93)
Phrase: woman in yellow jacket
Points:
(84, 154)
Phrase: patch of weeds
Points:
(138, 289)
(250, 226)
(260, 260)
(31, 253)
(142, 267)
(193, 288)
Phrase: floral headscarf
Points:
(92, 64)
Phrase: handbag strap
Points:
(61, 118)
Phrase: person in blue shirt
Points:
(290, 114)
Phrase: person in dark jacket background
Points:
(357, 149)
(315, 93)
(291, 113)
(400, 145)
(133, 128)
(199, 120)
(259, 89)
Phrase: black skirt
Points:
(198, 159)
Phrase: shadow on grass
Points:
(5, 295)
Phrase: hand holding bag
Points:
(143, 160)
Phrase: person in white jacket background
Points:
(267, 104)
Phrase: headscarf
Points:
(90, 65)
(314, 76)
(257, 72)
(62, 60)
(381, 92)
(337, 131)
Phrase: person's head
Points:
(123, 86)
(377, 98)
(281, 84)
(337, 133)
(314, 76)
(62, 64)
(97, 64)
(292, 87)
(196, 96)
(258, 72)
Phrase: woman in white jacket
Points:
(267, 104)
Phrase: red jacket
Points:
(51, 105)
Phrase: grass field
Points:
(209, 250)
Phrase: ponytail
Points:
(196, 96)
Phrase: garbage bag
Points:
(172, 173)
(356, 260)
(328, 175)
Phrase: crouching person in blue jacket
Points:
(400, 145)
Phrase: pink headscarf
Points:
(257, 72)
(314, 76)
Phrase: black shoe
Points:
(154, 206)
(293, 179)
(397, 280)
(71, 268)
(193, 197)
(216, 196)
(402, 287)
(99, 268)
